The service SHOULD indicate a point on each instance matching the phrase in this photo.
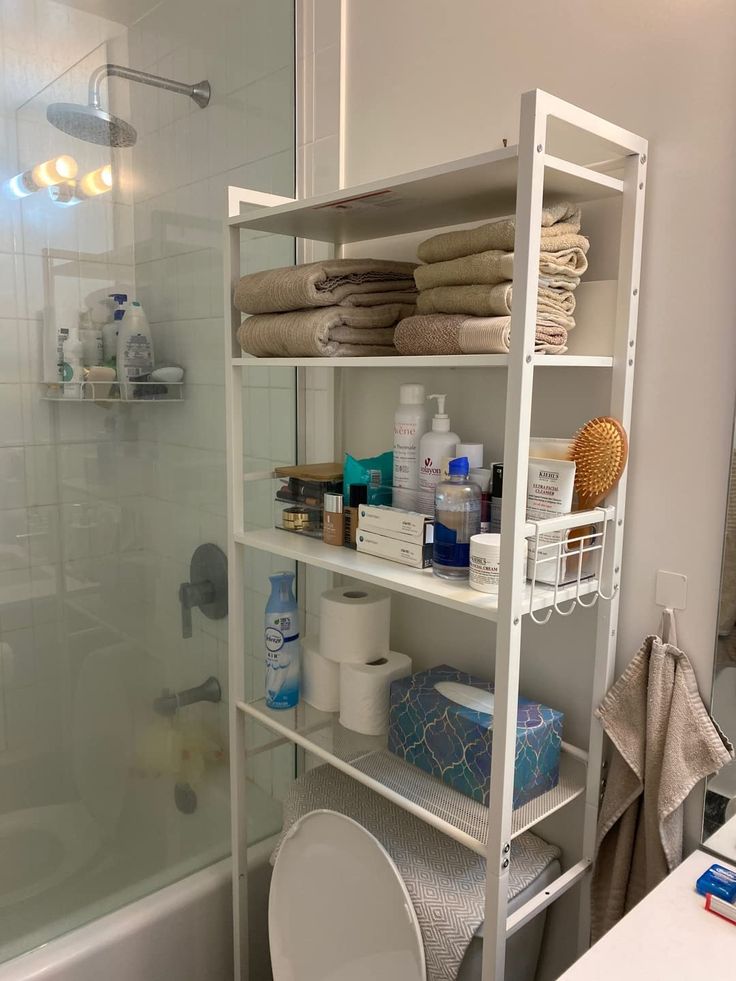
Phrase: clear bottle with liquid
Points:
(457, 511)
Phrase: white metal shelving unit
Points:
(504, 181)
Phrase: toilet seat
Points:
(338, 908)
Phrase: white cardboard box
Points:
(418, 555)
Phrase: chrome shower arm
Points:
(200, 92)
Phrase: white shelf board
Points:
(420, 583)
(428, 361)
(470, 189)
(365, 759)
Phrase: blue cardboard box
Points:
(453, 742)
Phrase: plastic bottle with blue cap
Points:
(457, 511)
(110, 330)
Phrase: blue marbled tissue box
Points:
(453, 742)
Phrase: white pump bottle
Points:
(436, 449)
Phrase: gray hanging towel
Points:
(665, 742)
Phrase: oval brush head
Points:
(600, 450)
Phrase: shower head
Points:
(92, 124)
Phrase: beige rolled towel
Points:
(326, 332)
(558, 221)
(497, 266)
(355, 282)
(495, 301)
(441, 333)
(492, 335)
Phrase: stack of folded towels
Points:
(464, 303)
(334, 308)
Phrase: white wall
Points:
(428, 81)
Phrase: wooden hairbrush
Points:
(600, 450)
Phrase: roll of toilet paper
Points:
(354, 624)
(320, 678)
(365, 691)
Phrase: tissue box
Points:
(453, 742)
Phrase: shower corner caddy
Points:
(108, 392)
(485, 186)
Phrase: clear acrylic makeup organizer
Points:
(489, 185)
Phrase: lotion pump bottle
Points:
(436, 449)
(410, 424)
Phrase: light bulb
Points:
(46, 174)
(96, 182)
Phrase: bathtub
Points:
(181, 931)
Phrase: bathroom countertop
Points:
(668, 935)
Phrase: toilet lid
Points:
(101, 736)
(338, 908)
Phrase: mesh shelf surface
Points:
(366, 756)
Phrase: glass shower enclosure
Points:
(112, 185)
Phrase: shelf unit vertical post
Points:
(520, 380)
(234, 452)
(622, 390)
(236, 623)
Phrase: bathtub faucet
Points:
(169, 703)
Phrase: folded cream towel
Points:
(324, 284)
(443, 333)
(492, 335)
(322, 332)
(496, 266)
(557, 221)
(493, 301)
(665, 742)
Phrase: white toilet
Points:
(339, 911)
(338, 907)
(41, 847)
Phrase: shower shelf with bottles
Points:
(554, 137)
(108, 392)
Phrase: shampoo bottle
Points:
(410, 424)
(282, 643)
(110, 330)
(457, 519)
(436, 449)
(134, 349)
(91, 337)
(73, 375)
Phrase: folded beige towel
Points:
(494, 301)
(325, 332)
(444, 333)
(355, 282)
(557, 221)
(665, 742)
(496, 266)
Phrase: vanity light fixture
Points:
(91, 185)
(46, 174)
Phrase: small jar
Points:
(333, 526)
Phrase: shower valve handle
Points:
(193, 594)
(207, 586)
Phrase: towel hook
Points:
(668, 626)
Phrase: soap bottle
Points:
(110, 330)
(134, 348)
(410, 424)
(282, 643)
(72, 373)
(91, 337)
(456, 520)
(436, 448)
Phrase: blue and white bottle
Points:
(282, 643)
